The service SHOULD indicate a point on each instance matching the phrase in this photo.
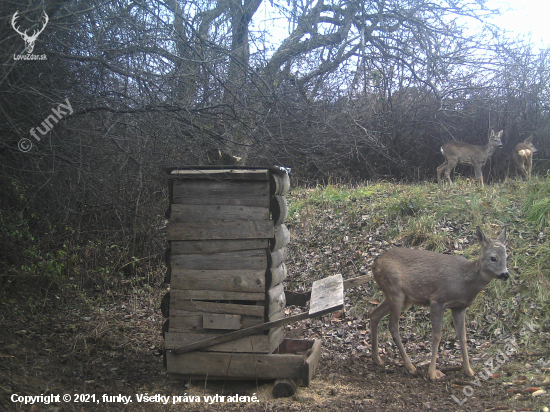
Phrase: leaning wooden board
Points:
(327, 295)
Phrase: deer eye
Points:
(493, 259)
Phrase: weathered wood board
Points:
(194, 213)
(189, 247)
(321, 296)
(280, 184)
(249, 344)
(194, 321)
(206, 230)
(206, 192)
(275, 276)
(255, 259)
(218, 295)
(301, 298)
(225, 174)
(300, 367)
(281, 238)
(276, 299)
(178, 302)
(327, 293)
(277, 257)
(222, 321)
(279, 210)
(243, 280)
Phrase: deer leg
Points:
(521, 168)
(440, 170)
(450, 166)
(436, 315)
(396, 304)
(459, 320)
(479, 174)
(375, 317)
(529, 167)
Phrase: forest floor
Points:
(102, 348)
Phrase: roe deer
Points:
(523, 157)
(456, 152)
(420, 277)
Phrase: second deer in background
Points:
(522, 157)
(456, 152)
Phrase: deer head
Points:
(29, 40)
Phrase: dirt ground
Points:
(115, 349)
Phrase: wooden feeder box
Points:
(226, 304)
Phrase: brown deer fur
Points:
(419, 277)
(456, 152)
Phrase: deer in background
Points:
(456, 152)
(522, 157)
(420, 277)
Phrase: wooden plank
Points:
(276, 299)
(251, 344)
(240, 229)
(312, 362)
(221, 321)
(243, 280)
(228, 365)
(194, 213)
(223, 174)
(165, 327)
(279, 209)
(359, 280)
(301, 298)
(211, 192)
(177, 302)
(281, 238)
(165, 305)
(277, 257)
(170, 200)
(190, 247)
(276, 337)
(218, 295)
(322, 291)
(280, 184)
(255, 259)
(275, 276)
(240, 333)
(184, 321)
(326, 294)
(277, 315)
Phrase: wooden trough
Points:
(226, 306)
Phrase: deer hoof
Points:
(437, 375)
(411, 370)
(469, 371)
(377, 360)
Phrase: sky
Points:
(524, 16)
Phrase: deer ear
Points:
(481, 238)
(502, 237)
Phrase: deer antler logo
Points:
(29, 40)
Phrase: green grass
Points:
(336, 229)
